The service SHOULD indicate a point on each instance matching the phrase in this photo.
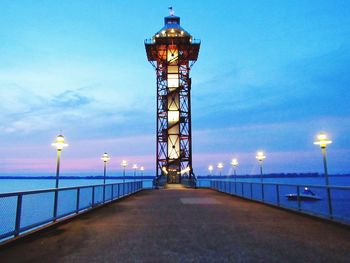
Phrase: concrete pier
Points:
(185, 225)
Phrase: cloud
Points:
(32, 112)
(70, 99)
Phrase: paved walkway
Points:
(179, 225)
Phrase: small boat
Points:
(307, 195)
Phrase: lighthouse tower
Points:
(172, 51)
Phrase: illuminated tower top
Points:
(172, 33)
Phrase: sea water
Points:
(20, 185)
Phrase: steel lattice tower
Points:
(172, 51)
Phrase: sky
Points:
(270, 75)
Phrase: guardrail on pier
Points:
(333, 202)
(21, 212)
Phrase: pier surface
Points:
(185, 225)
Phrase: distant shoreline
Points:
(74, 177)
(288, 175)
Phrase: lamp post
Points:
(323, 141)
(135, 168)
(124, 164)
(210, 168)
(105, 158)
(220, 166)
(142, 169)
(260, 157)
(234, 164)
(59, 144)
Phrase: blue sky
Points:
(270, 75)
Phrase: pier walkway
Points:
(185, 225)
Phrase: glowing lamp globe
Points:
(105, 157)
(124, 163)
(260, 156)
(322, 140)
(234, 162)
(59, 143)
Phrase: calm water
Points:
(16, 185)
(333, 180)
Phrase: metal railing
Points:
(21, 212)
(332, 202)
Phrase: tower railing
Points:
(195, 41)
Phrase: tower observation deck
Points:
(172, 51)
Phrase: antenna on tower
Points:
(171, 11)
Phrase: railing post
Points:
(278, 194)
(251, 191)
(55, 205)
(298, 198)
(330, 208)
(93, 196)
(104, 193)
(118, 186)
(262, 192)
(18, 214)
(112, 191)
(78, 200)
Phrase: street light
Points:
(59, 144)
(135, 168)
(142, 169)
(210, 168)
(323, 141)
(234, 163)
(105, 158)
(220, 166)
(124, 164)
(260, 157)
